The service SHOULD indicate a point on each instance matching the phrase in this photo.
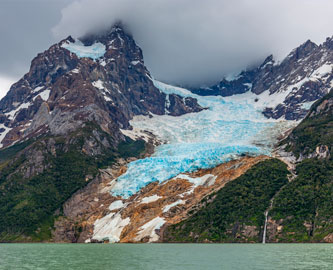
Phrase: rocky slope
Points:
(288, 88)
(102, 217)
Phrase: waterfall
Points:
(265, 227)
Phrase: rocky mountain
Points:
(289, 87)
(93, 149)
(103, 79)
(66, 118)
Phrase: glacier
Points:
(95, 51)
(228, 128)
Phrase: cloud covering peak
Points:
(194, 41)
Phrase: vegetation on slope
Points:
(28, 206)
(304, 207)
(314, 130)
(237, 212)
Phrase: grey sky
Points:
(184, 41)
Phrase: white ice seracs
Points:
(228, 128)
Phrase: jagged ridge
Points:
(304, 76)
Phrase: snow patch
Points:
(135, 62)
(12, 114)
(135, 134)
(44, 95)
(150, 199)
(75, 70)
(116, 205)
(307, 105)
(207, 179)
(98, 84)
(169, 206)
(37, 89)
(106, 98)
(4, 133)
(322, 71)
(110, 227)
(149, 229)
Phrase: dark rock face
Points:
(305, 75)
(63, 91)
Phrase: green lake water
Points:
(166, 256)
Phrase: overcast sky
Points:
(187, 42)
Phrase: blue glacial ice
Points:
(95, 51)
(228, 128)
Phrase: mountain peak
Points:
(305, 49)
(100, 78)
(116, 30)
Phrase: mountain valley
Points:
(94, 149)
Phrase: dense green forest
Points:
(305, 206)
(240, 203)
(28, 205)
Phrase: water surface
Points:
(166, 256)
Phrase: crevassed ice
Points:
(94, 51)
(228, 128)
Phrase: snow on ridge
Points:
(94, 51)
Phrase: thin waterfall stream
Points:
(265, 228)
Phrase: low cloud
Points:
(193, 42)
